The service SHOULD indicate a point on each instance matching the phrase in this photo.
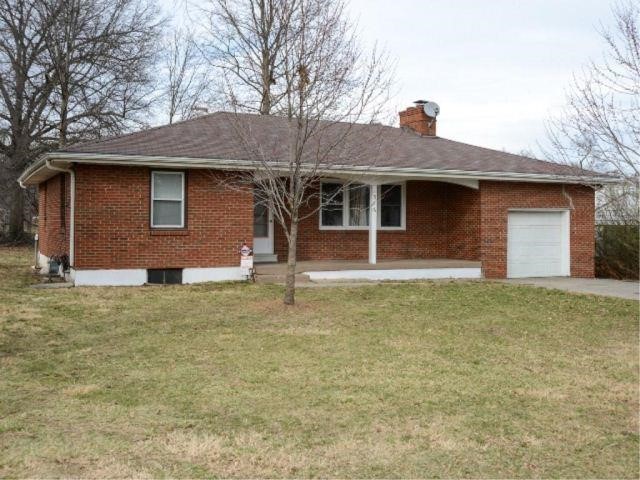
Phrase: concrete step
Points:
(265, 258)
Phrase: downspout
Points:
(568, 197)
(72, 220)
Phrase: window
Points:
(358, 205)
(332, 204)
(260, 218)
(169, 276)
(391, 205)
(347, 206)
(167, 199)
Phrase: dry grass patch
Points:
(431, 379)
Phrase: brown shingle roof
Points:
(217, 136)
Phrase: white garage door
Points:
(538, 244)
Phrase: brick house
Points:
(153, 206)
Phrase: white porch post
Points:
(373, 223)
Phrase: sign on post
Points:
(246, 261)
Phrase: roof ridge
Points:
(273, 115)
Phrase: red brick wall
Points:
(113, 221)
(442, 221)
(497, 197)
(463, 223)
(53, 226)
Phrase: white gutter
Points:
(223, 164)
(72, 220)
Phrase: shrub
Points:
(617, 249)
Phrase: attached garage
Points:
(538, 243)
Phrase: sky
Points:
(497, 68)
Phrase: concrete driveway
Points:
(596, 286)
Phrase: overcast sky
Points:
(497, 68)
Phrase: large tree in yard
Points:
(69, 70)
(600, 127)
(600, 130)
(300, 60)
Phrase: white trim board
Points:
(396, 274)
(68, 158)
(138, 276)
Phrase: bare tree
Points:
(188, 80)
(25, 88)
(246, 44)
(326, 83)
(100, 52)
(600, 127)
(69, 70)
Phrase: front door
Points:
(262, 228)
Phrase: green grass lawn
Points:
(432, 379)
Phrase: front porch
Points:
(412, 269)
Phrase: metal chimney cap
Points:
(421, 102)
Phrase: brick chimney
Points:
(417, 120)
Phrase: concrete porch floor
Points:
(337, 265)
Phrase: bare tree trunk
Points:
(290, 282)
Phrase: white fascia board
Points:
(65, 159)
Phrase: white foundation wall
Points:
(396, 274)
(220, 274)
(43, 263)
(138, 276)
(109, 278)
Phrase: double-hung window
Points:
(167, 199)
(332, 198)
(346, 207)
(358, 205)
(391, 206)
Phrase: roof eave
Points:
(226, 164)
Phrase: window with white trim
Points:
(391, 206)
(332, 214)
(358, 205)
(346, 207)
(167, 199)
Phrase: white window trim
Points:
(403, 206)
(345, 208)
(181, 200)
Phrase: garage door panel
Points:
(536, 270)
(535, 233)
(537, 244)
(541, 218)
(537, 250)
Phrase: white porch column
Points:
(373, 223)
